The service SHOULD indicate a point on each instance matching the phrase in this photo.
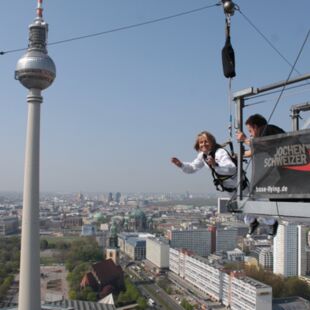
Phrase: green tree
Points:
(142, 304)
(296, 287)
(62, 245)
(131, 290)
(43, 244)
(74, 278)
(123, 298)
(9, 262)
(84, 250)
(281, 287)
(186, 305)
(72, 294)
(6, 285)
(85, 292)
(69, 265)
(103, 220)
(92, 296)
(8, 280)
(169, 290)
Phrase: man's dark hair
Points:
(256, 119)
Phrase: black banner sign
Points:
(281, 166)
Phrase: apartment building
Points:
(157, 252)
(265, 257)
(196, 240)
(8, 225)
(234, 290)
(285, 250)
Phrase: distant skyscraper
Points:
(80, 197)
(36, 71)
(226, 239)
(303, 251)
(221, 205)
(110, 198)
(118, 197)
(285, 250)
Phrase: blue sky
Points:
(124, 103)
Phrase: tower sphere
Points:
(35, 70)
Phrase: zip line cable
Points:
(289, 76)
(160, 19)
(267, 40)
(155, 21)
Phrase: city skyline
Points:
(125, 103)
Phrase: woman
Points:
(213, 156)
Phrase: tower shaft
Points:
(29, 285)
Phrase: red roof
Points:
(89, 280)
(107, 272)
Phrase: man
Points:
(258, 127)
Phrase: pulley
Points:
(229, 7)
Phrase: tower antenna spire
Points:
(40, 9)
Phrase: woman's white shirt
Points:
(224, 166)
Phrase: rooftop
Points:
(290, 303)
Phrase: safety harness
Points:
(218, 179)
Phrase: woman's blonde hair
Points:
(210, 138)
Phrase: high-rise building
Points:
(80, 197)
(110, 198)
(118, 197)
(8, 225)
(226, 239)
(285, 250)
(157, 252)
(303, 251)
(133, 244)
(265, 257)
(135, 248)
(222, 205)
(196, 240)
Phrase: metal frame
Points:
(290, 209)
(300, 211)
(296, 109)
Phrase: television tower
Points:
(36, 71)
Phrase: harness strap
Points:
(218, 179)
